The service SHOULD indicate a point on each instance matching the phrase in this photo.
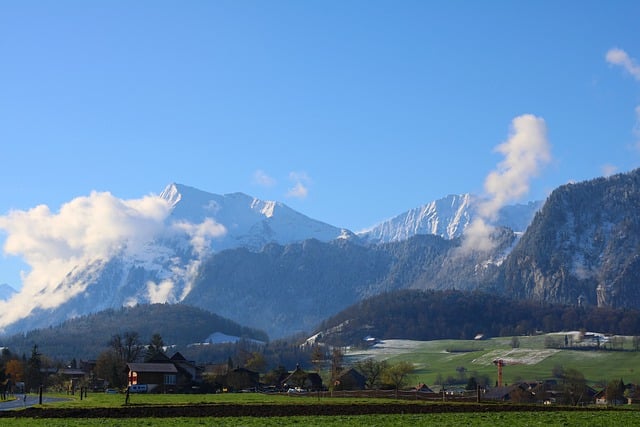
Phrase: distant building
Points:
(299, 378)
(350, 380)
(165, 375)
(239, 379)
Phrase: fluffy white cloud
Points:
(525, 152)
(83, 232)
(161, 293)
(200, 235)
(621, 58)
(86, 232)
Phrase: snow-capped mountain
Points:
(168, 238)
(448, 218)
(248, 222)
(158, 266)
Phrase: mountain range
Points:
(264, 265)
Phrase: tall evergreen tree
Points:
(34, 365)
(155, 347)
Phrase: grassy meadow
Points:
(530, 361)
(570, 418)
(500, 419)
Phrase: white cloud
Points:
(261, 178)
(621, 58)
(525, 152)
(86, 232)
(83, 232)
(300, 188)
(200, 235)
(299, 191)
(161, 293)
(477, 237)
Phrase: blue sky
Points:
(348, 111)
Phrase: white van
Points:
(138, 388)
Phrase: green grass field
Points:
(584, 419)
(101, 400)
(532, 360)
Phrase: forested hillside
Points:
(431, 315)
(87, 336)
(292, 288)
(583, 244)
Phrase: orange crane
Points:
(499, 363)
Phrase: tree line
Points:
(431, 315)
(86, 336)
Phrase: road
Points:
(23, 401)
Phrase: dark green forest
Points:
(432, 315)
(404, 314)
(86, 336)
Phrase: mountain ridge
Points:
(582, 247)
(201, 225)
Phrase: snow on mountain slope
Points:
(448, 218)
(101, 252)
(127, 254)
(249, 222)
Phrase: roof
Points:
(178, 356)
(166, 368)
(500, 393)
(353, 375)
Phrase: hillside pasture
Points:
(531, 360)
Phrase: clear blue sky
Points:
(349, 111)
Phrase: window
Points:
(170, 379)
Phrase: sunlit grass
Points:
(432, 360)
(506, 419)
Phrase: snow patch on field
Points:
(515, 356)
(387, 348)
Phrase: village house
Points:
(350, 380)
(519, 392)
(301, 380)
(165, 375)
(238, 379)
